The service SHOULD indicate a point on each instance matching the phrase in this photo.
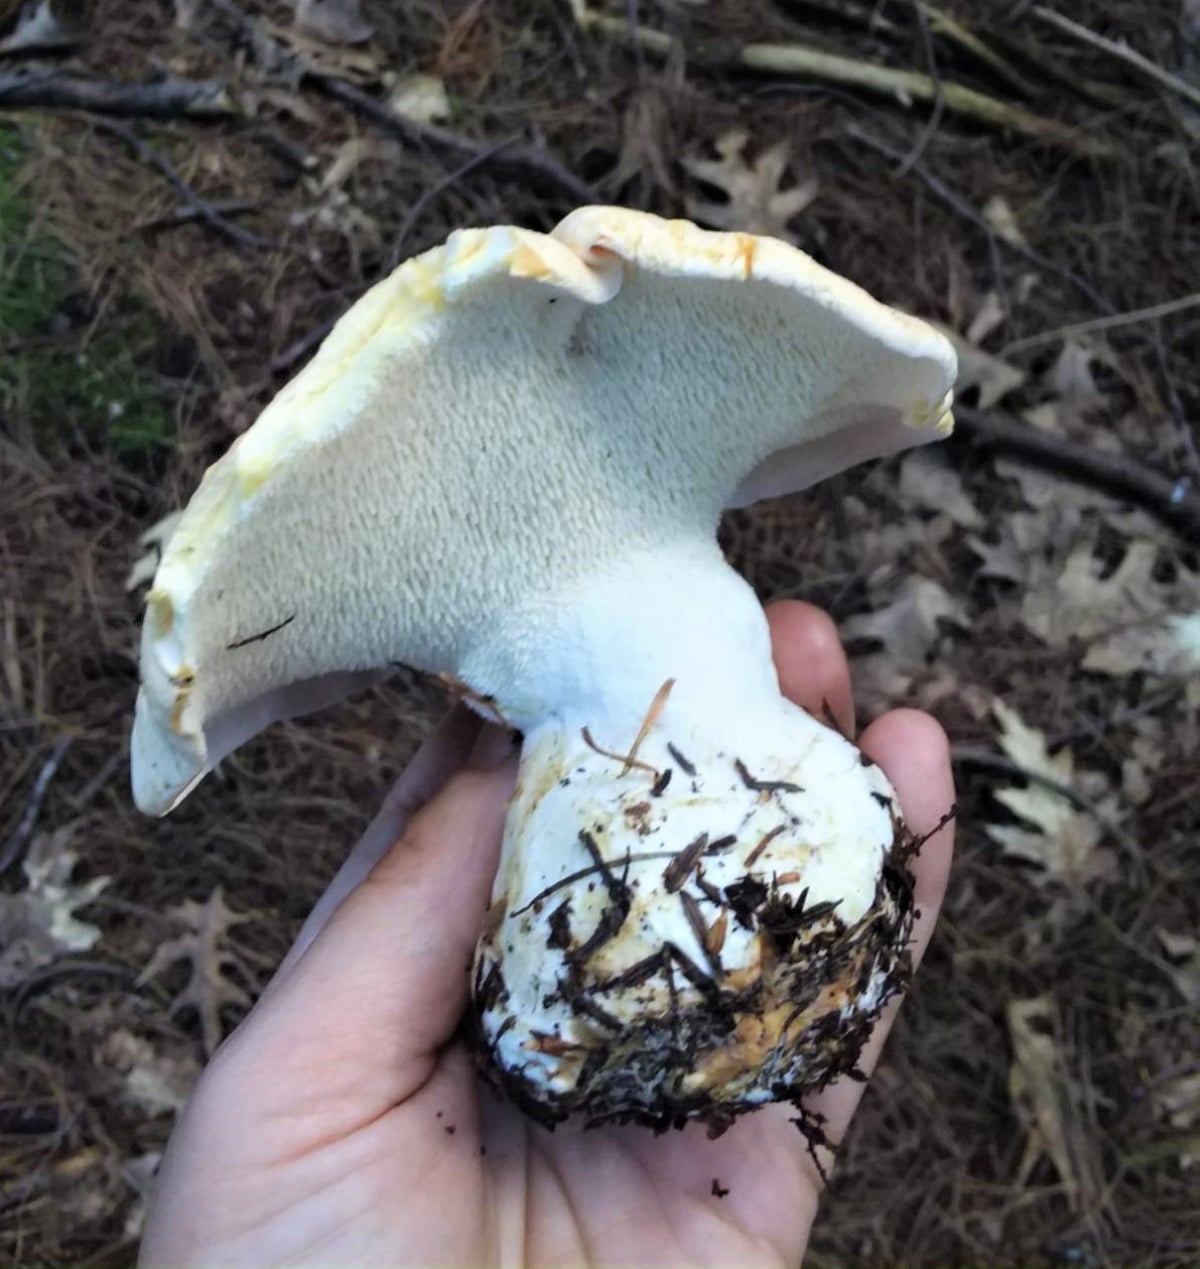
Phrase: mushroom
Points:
(506, 465)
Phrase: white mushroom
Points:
(506, 464)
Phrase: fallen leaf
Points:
(1038, 1092)
(756, 203)
(1000, 218)
(1061, 839)
(334, 21)
(38, 924)
(1129, 620)
(991, 315)
(927, 480)
(155, 1083)
(909, 628)
(354, 152)
(993, 377)
(1071, 393)
(206, 946)
(37, 30)
(421, 98)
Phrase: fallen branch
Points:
(953, 31)
(188, 214)
(1111, 322)
(800, 59)
(206, 212)
(527, 159)
(167, 98)
(517, 158)
(958, 204)
(1175, 501)
(1115, 48)
(15, 846)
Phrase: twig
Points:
(37, 795)
(959, 205)
(205, 211)
(800, 59)
(527, 159)
(162, 99)
(941, 24)
(1121, 51)
(436, 190)
(520, 158)
(1094, 728)
(1175, 501)
(939, 103)
(1110, 322)
(188, 213)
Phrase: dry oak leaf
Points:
(1037, 1088)
(220, 974)
(38, 924)
(927, 480)
(1129, 619)
(1061, 839)
(756, 203)
(908, 628)
(993, 377)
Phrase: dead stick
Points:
(519, 158)
(800, 59)
(1131, 57)
(16, 844)
(164, 99)
(528, 159)
(205, 211)
(1175, 501)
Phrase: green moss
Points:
(59, 384)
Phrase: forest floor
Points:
(168, 262)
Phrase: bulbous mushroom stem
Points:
(702, 903)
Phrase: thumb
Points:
(383, 984)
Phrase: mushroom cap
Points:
(499, 419)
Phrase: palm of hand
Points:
(343, 1125)
(450, 1176)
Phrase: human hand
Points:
(343, 1123)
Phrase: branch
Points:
(528, 159)
(801, 59)
(203, 211)
(15, 846)
(162, 99)
(1131, 57)
(516, 158)
(1175, 501)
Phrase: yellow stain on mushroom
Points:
(526, 263)
(161, 613)
(253, 471)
